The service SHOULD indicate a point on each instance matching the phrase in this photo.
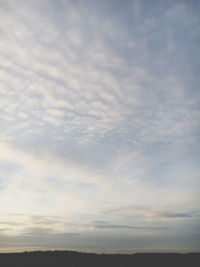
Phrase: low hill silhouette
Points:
(76, 259)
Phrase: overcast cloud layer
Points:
(99, 125)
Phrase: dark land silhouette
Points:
(76, 259)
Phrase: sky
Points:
(99, 125)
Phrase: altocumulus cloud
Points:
(99, 125)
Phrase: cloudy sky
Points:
(99, 125)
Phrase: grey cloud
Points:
(150, 213)
(37, 231)
(100, 222)
(39, 237)
(11, 223)
(105, 225)
(177, 215)
(47, 232)
(37, 219)
(42, 220)
(4, 229)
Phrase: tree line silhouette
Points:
(75, 259)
